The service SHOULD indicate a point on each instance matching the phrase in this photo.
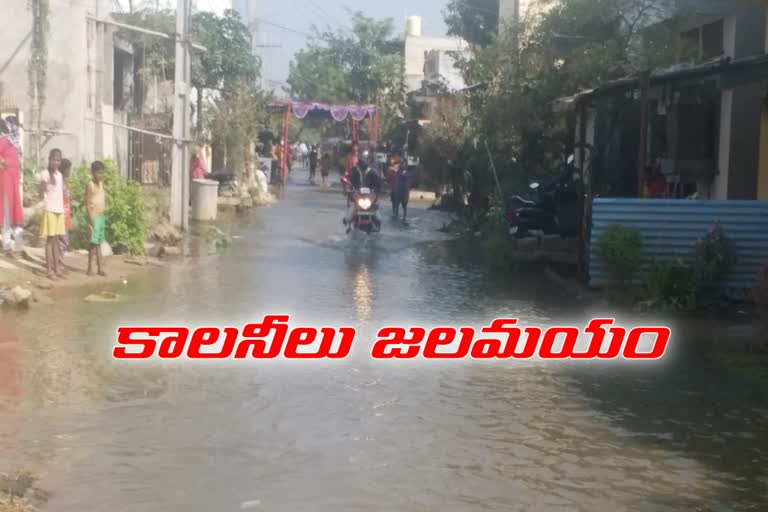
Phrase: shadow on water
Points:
(693, 410)
(524, 283)
(686, 411)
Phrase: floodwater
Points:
(361, 435)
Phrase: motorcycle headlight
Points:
(364, 203)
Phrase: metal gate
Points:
(150, 159)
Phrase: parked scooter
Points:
(228, 183)
(554, 212)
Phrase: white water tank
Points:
(413, 26)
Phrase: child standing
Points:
(96, 205)
(66, 167)
(52, 224)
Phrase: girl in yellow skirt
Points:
(52, 225)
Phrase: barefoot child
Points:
(66, 166)
(52, 223)
(96, 204)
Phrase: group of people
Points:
(325, 163)
(56, 219)
(55, 222)
(276, 152)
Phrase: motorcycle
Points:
(347, 188)
(366, 204)
(555, 212)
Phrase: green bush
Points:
(621, 249)
(714, 255)
(492, 241)
(124, 213)
(673, 284)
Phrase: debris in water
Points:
(103, 297)
(250, 504)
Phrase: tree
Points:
(154, 55)
(443, 143)
(236, 118)
(475, 21)
(232, 113)
(361, 65)
(317, 76)
(228, 61)
(558, 49)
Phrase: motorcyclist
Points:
(355, 177)
(363, 175)
(372, 179)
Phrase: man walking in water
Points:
(403, 189)
(392, 170)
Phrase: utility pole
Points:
(181, 119)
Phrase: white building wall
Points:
(73, 75)
(442, 65)
(415, 49)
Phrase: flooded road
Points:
(360, 435)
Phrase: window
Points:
(702, 43)
(712, 40)
(689, 45)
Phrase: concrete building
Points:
(418, 48)
(88, 74)
(707, 116)
(440, 69)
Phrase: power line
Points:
(322, 11)
(283, 27)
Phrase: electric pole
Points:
(181, 119)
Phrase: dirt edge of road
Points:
(23, 281)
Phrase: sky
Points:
(300, 15)
(296, 18)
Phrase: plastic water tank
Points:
(205, 200)
(413, 26)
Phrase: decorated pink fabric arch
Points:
(338, 112)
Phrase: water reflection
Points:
(362, 294)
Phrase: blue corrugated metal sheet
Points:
(670, 228)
